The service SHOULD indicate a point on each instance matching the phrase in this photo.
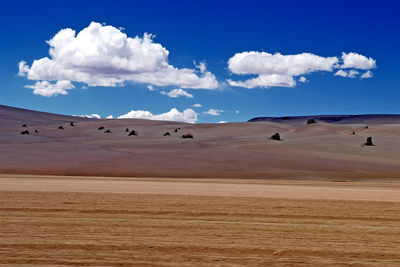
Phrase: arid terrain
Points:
(89, 221)
(228, 197)
(320, 151)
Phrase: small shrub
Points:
(188, 135)
(133, 132)
(311, 121)
(276, 137)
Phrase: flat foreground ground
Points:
(49, 221)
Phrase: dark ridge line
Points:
(339, 119)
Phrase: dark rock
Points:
(311, 121)
(127, 130)
(354, 133)
(133, 132)
(366, 127)
(61, 127)
(71, 124)
(25, 132)
(167, 133)
(369, 142)
(188, 135)
(108, 131)
(36, 131)
(276, 137)
(24, 125)
(176, 130)
(100, 128)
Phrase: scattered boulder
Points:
(100, 128)
(311, 121)
(369, 142)
(176, 130)
(72, 124)
(25, 132)
(276, 137)
(36, 131)
(108, 131)
(167, 134)
(354, 133)
(188, 135)
(127, 130)
(133, 132)
(366, 127)
(61, 127)
(24, 125)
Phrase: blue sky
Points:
(211, 32)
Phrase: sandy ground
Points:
(319, 151)
(103, 221)
(327, 200)
(360, 191)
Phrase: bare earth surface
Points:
(318, 151)
(228, 197)
(100, 221)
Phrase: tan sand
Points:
(360, 191)
(86, 221)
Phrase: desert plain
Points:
(228, 197)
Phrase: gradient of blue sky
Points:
(214, 31)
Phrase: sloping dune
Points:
(240, 150)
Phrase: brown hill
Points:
(315, 151)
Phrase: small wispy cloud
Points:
(177, 93)
(213, 112)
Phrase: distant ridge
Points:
(335, 119)
(13, 115)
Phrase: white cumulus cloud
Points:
(349, 74)
(101, 55)
(341, 73)
(276, 69)
(197, 105)
(177, 93)
(90, 116)
(353, 73)
(47, 89)
(188, 115)
(366, 75)
(213, 112)
(357, 61)
(150, 88)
